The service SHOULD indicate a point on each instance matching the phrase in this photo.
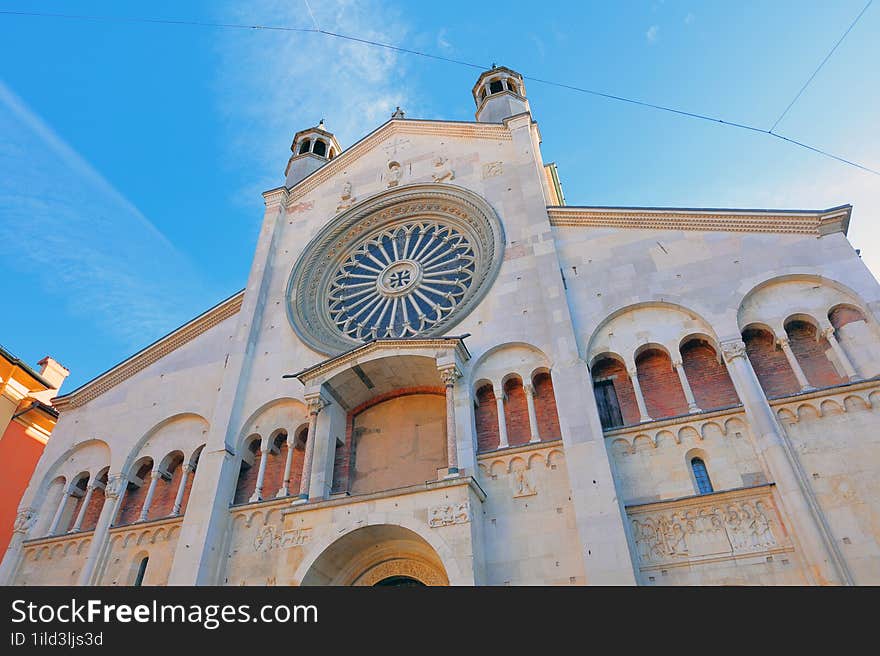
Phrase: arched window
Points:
(701, 476)
(142, 569)
(496, 87)
(320, 148)
(304, 147)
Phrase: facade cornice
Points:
(149, 355)
(461, 129)
(801, 222)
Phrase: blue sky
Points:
(132, 156)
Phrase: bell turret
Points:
(311, 148)
(499, 94)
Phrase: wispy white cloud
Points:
(689, 18)
(79, 241)
(653, 34)
(271, 84)
(442, 41)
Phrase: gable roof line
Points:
(150, 354)
(805, 222)
(391, 127)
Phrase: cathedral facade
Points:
(439, 373)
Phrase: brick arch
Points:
(545, 406)
(516, 411)
(843, 313)
(96, 503)
(769, 362)
(811, 350)
(607, 366)
(708, 377)
(660, 384)
(249, 467)
(486, 417)
(135, 493)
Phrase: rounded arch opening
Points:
(372, 554)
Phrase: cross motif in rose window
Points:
(399, 279)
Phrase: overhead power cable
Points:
(822, 63)
(388, 46)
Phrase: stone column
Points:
(114, 493)
(795, 492)
(449, 376)
(24, 522)
(794, 364)
(315, 405)
(53, 527)
(81, 515)
(185, 470)
(155, 475)
(284, 491)
(845, 362)
(502, 424)
(529, 389)
(640, 399)
(265, 448)
(686, 386)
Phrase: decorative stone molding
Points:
(814, 405)
(818, 222)
(458, 513)
(727, 423)
(151, 354)
(707, 528)
(412, 261)
(451, 345)
(407, 567)
(392, 129)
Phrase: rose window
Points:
(401, 281)
(408, 263)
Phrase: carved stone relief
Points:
(492, 169)
(715, 529)
(457, 513)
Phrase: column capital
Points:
(156, 474)
(827, 332)
(115, 485)
(24, 520)
(732, 349)
(677, 363)
(633, 373)
(188, 467)
(316, 404)
(782, 342)
(449, 374)
(529, 389)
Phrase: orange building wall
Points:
(19, 454)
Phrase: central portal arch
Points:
(383, 554)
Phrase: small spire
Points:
(398, 113)
(321, 125)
